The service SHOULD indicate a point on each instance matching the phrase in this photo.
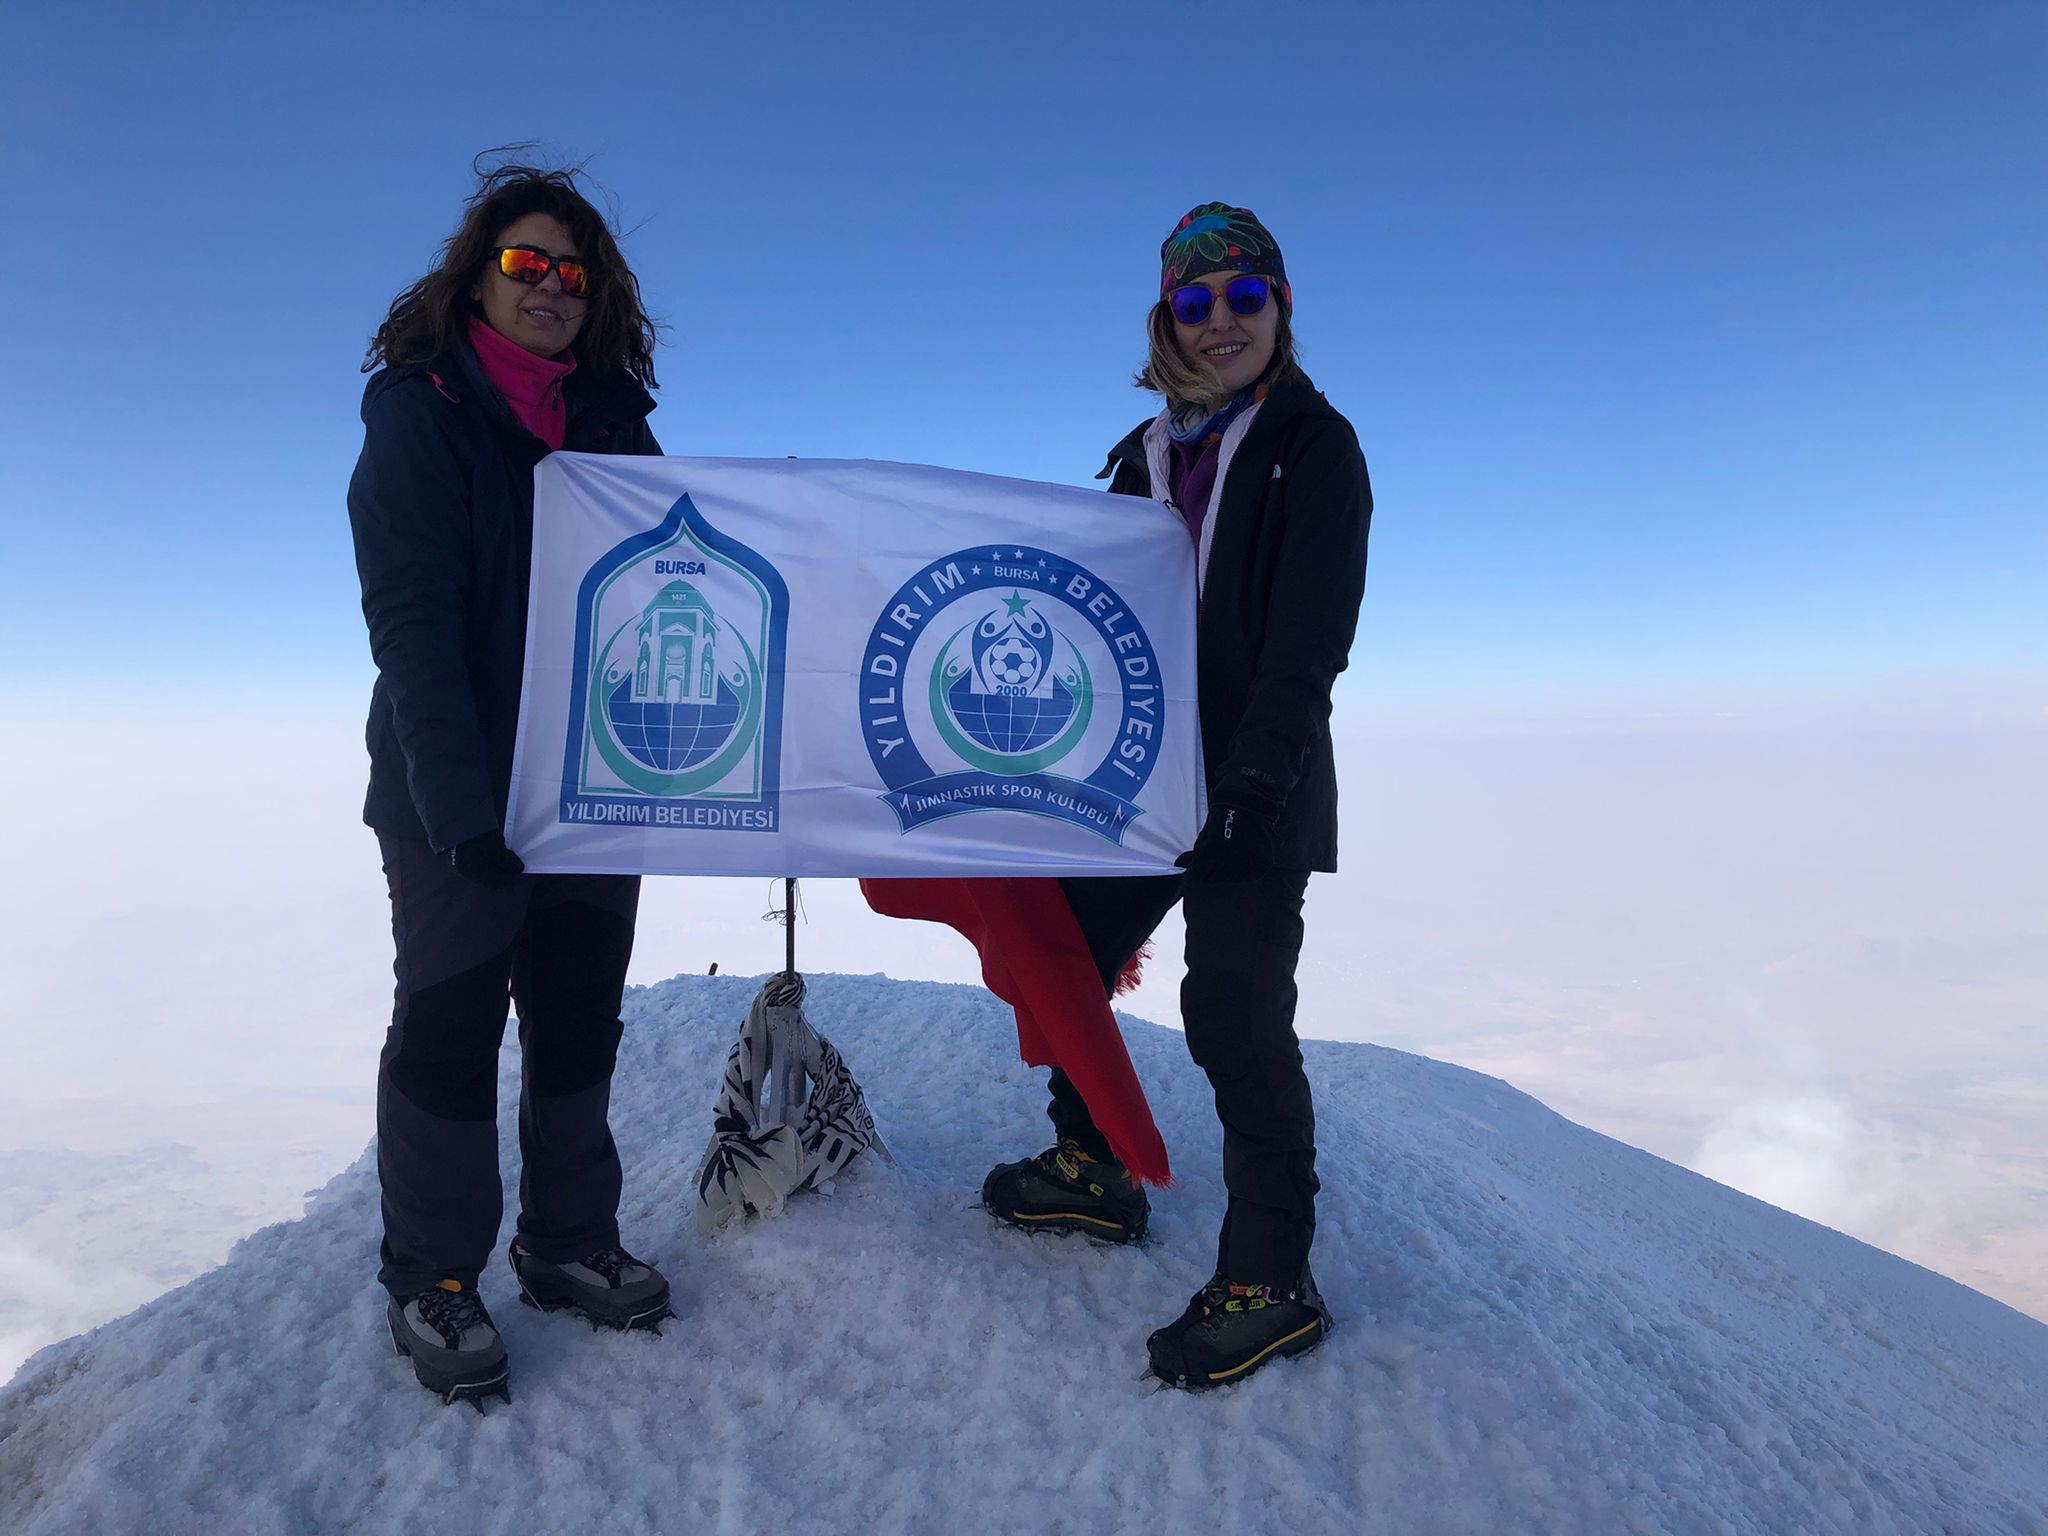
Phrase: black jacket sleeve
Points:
(1312, 610)
(644, 440)
(408, 506)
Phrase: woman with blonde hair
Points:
(1273, 488)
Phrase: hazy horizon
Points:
(1684, 936)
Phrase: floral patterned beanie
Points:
(1216, 237)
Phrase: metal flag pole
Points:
(789, 925)
(786, 988)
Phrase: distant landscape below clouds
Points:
(1805, 955)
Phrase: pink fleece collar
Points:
(531, 385)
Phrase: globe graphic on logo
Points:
(670, 738)
(1009, 722)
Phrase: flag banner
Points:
(831, 667)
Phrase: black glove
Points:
(1236, 842)
(486, 860)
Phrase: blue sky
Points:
(1697, 349)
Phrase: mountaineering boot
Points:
(1063, 1189)
(450, 1339)
(1228, 1331)
(610, 1287)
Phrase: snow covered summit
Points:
(1538, 1329)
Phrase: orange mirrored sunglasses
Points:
(528, 264)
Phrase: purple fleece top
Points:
(1191, 478)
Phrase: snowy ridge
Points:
(1539, 1329)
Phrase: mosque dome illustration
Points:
(672, 707)
(1008, 698)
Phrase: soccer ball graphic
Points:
(1009, 701)
(1012, 663)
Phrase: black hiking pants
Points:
(557, 945)
(1237, 1004)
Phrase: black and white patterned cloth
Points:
(789, 1115)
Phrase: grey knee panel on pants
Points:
(567, 978)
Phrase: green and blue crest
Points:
(675, 716)
(1011, 680)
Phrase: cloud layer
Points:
(1809, 960)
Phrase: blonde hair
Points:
(1190, 381)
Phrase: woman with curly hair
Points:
(528, 336)
(1271, 484)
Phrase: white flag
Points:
(823, 667)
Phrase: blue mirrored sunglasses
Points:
(1245, 295)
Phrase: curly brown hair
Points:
(425, 319)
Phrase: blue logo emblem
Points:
(675, 711)
(1014, 680)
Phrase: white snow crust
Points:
(1539, 1330)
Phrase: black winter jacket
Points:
(441, 504)
(1280, 595)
